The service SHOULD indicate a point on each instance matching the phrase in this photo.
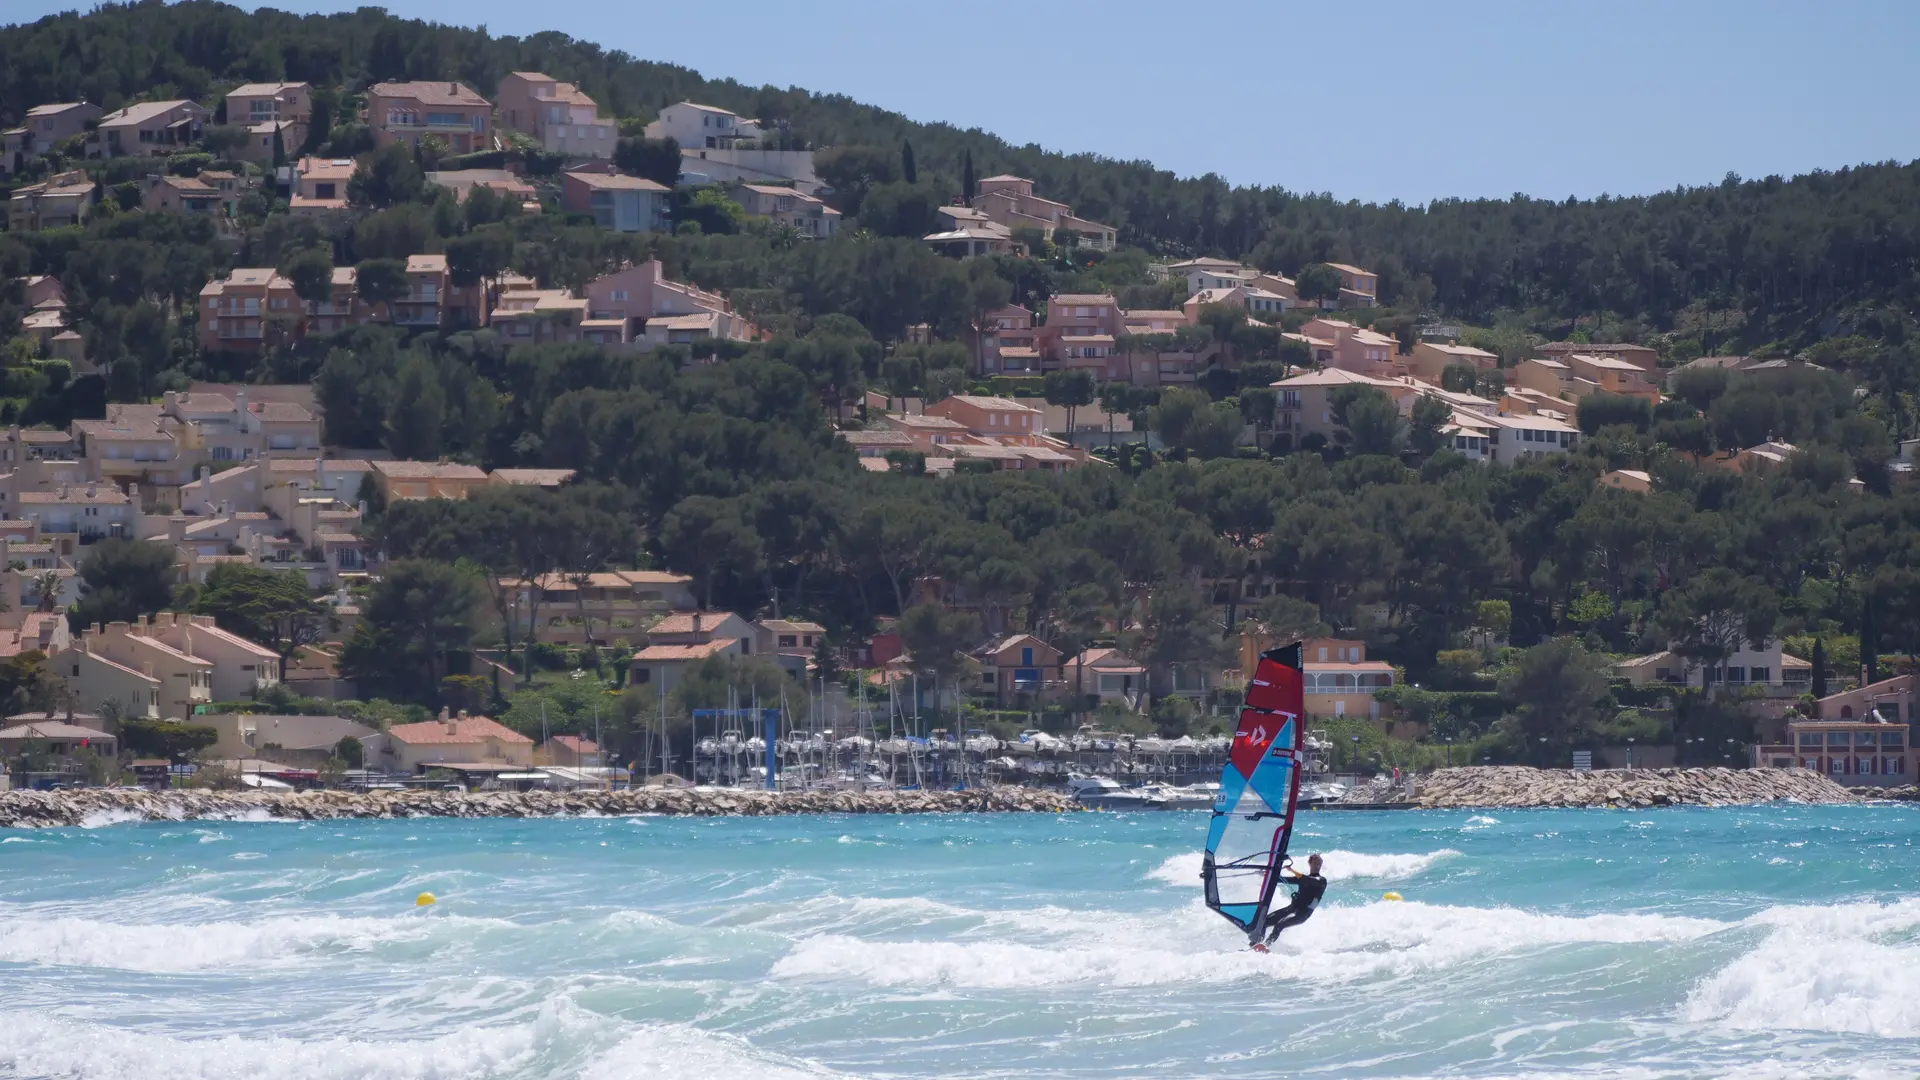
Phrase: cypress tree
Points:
(279, 148)
(907, 170)
(968, 186)
(1869, 641)
(1819, 669)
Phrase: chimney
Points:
(177, 529)
(93, 489)
(133, 496)
(363, 507)
(206, 473)
(453, 88)
(169, 400)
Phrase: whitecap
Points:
(70, 941)
(1184, 869)
(1849, 968)
(1340, 944)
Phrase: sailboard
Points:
(1259, 792)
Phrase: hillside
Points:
(1734, 266)
(1499, 548)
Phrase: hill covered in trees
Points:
(731, 470)
(1730, 267)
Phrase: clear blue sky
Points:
(1407, 99)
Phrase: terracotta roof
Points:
(1082, 299)
(996, 404)
(793, 626)
(685, 652)
(103, 495)
(654, 577)
(877, 438)
(265, 89)
(428, 470)
(145, 111)
(579, 744)
(617, 182)
(437, 92)
(683, 622)
(533, 477)
(465, 729)
(937, 423)
(53, 729)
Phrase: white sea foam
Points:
(1850, 968)
(70, 941)
(562, 1040)
(1339, 944)
(1184, 869)
(100, 819)
(675, 1051)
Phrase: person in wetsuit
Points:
(1308, 888)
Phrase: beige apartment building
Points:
(267, 109)
(59, 201)
(406, 112)
(1010, 201)
(43, 128)
(150, 127)
(320, 185)
(558, 115)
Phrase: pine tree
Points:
(907, 170)
(968, 186)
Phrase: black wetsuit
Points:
(1307, 890)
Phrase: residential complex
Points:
(406, 112)
(617, 202)
(788, 206)
(267, 111)
(1010, 201)
(43, 128)
(59, 201)
(151, 127)
(561, 118)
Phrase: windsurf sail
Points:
(1259, 788)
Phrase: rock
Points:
(36, 809)
(1517, 786)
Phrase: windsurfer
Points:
(1308, 888)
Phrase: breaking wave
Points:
(1184, 869)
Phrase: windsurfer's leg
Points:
(1285, 918)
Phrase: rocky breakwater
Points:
(1518, 786)
(32, 809)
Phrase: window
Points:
(1760, 675)
(1026, 657)
(617, 295)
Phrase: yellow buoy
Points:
(425, 899)
(1392, 896)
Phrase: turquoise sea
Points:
(1755, 942)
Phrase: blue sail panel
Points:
(1252, 821)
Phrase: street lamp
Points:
(1629, 753)
(1354, 763)
(1449, 742)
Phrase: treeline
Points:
(1729, 266)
